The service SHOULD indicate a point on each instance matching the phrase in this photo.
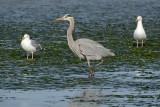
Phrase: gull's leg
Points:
(90, 69)
(137, 43)
(32, 55)
(142, 43)
(99, 63)
(27, 55)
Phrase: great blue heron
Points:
(85, 48)
(30, 46)
(139, 33)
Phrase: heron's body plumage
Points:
(85, 48)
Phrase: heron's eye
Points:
(69, 15)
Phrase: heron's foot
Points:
(91, 72)
(91, 75)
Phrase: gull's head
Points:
(65, 17)
(26, 36)
(139, 18)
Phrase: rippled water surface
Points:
(56, 77)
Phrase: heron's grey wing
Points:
(90, 47)
(88, 52)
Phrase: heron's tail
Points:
(109, 52)
(112, 54)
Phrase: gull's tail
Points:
(40, 46)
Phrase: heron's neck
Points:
(69, 31)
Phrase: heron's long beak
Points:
(59, 18)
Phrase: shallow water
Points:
(56, 77)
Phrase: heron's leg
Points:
(99, 63)
(27, 55)
(90, 69)
(137, 43)
(32, 55)
(142, 43)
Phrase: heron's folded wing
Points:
(86, 50)
(90, 47)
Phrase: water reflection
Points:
(87, 98)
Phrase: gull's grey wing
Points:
(35, 44)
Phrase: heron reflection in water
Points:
(86, 98)
(85, 48)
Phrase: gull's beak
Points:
(59, 18)
(136, 20)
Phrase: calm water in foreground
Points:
(56, 77)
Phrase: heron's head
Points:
(139, 18)
(25, 36)
(65, 17)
